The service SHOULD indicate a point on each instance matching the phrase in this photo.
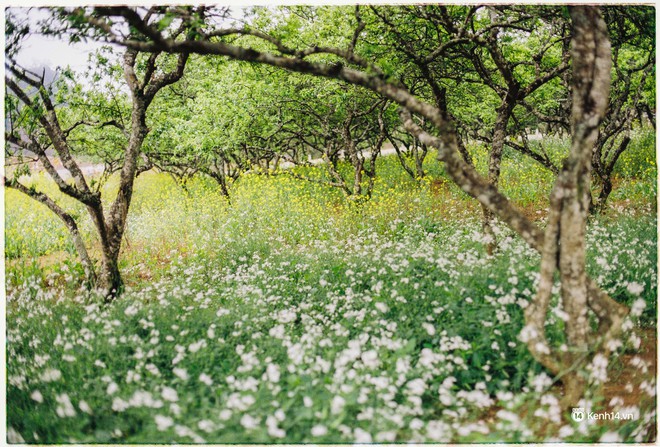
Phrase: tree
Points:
(339, 122)
(562, 244)
(632, 99)
(213, 122)
(500, 54)
(30, 96)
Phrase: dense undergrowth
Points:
(293, 315)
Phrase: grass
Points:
(295, 316)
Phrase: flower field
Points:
(294, 316)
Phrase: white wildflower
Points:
(565, 431)
(163, 422)
(64, 407)
(614, 344)
(610, 436)
(637, 307)
(273, 429)
(180, 373)
(248, 422)
(437, 431)
(206, 425)
(51, 375)
(119, 405)
(541, 382)
(430, 329)
(528, 333)
(84, 407)
(273, 373)
(37, 396)
(319, 430)
(381, 306)
(206, 379)
(170, 394)
(416, 387)
(542, 348)
(598, 368)
(386, 436)
(194, 347)
(370, 359)
(14, 437)
(112, 388)
(635, 288)
(277, 331)
(416, 424)
(362, 437)
(337, 404)
(286, 316)
(153, 369)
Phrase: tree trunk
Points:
(495, 161)
(605, 175)
(109, 281)
(221, 179)
(85, 260)
(420, 155)
(564, 247)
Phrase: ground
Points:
(294, 316)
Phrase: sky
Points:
(39, 51)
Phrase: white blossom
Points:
(337, 404)
(206, 379)
(170, 394)
(64, 407)
(37, 396)
(163, 422)
(635, 288)
(319, 430)
(180, 373)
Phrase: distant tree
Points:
(214, 123)
(43, 119)
(229, 117)
(632, 31)
(340, 123)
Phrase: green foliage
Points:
(639, 160)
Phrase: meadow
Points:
(293, 315)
